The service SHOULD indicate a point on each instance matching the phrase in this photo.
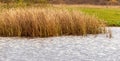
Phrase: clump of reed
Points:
(43, 22)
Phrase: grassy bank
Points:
(45, 22)
(110, 14)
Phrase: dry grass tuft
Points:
(39, 22)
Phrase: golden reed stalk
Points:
(42, 22)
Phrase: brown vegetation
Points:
(39, 22)
(29, 2)
(98, 2)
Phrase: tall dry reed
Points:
(39, 22)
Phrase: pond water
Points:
(64, 48)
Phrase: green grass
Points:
(110, 15)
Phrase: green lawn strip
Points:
(110, 15)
